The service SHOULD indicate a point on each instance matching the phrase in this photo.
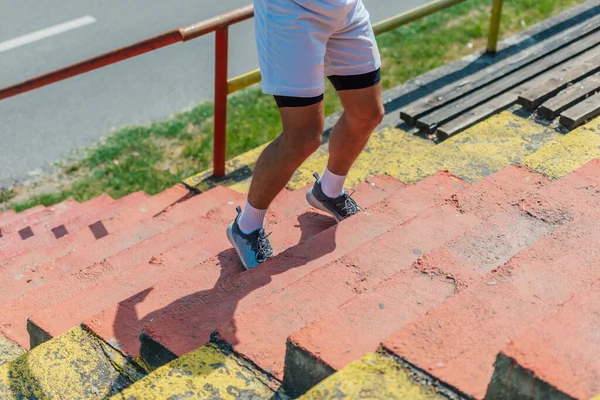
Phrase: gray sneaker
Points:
(253, 248)
(340, 208)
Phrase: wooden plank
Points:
(581, 113)
(476, 115)
(491, 107)
(572, 73)
(568, 98)
(497, 71)
(431, 121)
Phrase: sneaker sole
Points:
(312, 200)
(230, 237)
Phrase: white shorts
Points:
(300, 42)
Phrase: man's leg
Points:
(352, 64)
(363, 111)
(302, 129)
(291, 40)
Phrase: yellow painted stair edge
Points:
(75, 365)
(8, 351)
(375, 376)
(206, 373)
(564, 155)
(477, 152)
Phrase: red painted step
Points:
(125, 274)
(501, 190)
(219, 272)
(194, 319)
(393, 251)
(43, 215)
(97, 224)
(347, 333)
(50, 283)
(10, 252)
(591, 170)
(24, 214)
(457, 342)
(86, 253)
(560, 354)
(55, 221)
(118, 284)
(259, 333)
(7, 215)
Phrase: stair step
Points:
(560, 157)
(47, 284)
(76, 365)
(55, 222)
(100, 285)
(557, 358)
(24, 214)
(57, 210)
(259, 334)
(44, 244)
(457, 342)
(100, 216)
(206, 373)
(22, 238)
(357, 327)
(318, 350)
(590, 170)
(6, 216)
(210, 276)
(375, 376)
(195, 320)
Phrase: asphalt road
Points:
(42, 126)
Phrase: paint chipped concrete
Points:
(479, 151)
(8, 351)
(560, 157)
(206, 373)
(375, 376)
(76, 365)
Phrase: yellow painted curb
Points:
(76, 365)
(561, 157)
(385, 147)
(8, 351)
(375, 376)
(206, 373)
(479, 151)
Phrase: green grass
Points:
(154, 157)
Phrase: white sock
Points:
(332, 184)
(251, 219)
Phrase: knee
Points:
(302, 144)
(367, 118)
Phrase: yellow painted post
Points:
(494, 26)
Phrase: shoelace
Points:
(348, 205)
(263, 250)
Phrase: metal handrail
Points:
(223, 86)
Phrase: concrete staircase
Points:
(473, 272)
